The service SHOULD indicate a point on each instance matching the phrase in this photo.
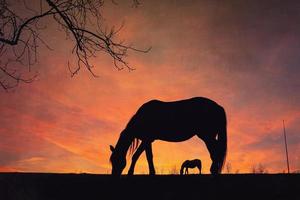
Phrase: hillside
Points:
(39, 186)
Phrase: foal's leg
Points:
(149, 155)
(199, 167)
(135, 157)
(182, 170)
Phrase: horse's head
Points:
(118, 161)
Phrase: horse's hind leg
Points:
(135, 157)
(211, 144)
(149, 155)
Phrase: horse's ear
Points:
(112, 148)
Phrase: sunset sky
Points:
(245, 55)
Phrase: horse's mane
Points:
(134, 145)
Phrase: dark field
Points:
(34, 186)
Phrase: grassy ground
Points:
(36, 186)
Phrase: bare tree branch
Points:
(20, 39)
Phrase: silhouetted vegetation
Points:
(228, 167)
(259, 169)
(174, 170)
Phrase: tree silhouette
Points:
(81, 20)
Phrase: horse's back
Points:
(197, 162)
(192, 105)
(197, 107)
(192, 163)
(175, 120)
(183, 102)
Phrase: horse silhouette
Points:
(190, 164)
(173, 122)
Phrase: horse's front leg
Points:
(135, 157)
(149, 155)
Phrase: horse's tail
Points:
(222, 139)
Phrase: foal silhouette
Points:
(190, 164)
(173, 122)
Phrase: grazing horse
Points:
(173, 122)
(190, 164)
